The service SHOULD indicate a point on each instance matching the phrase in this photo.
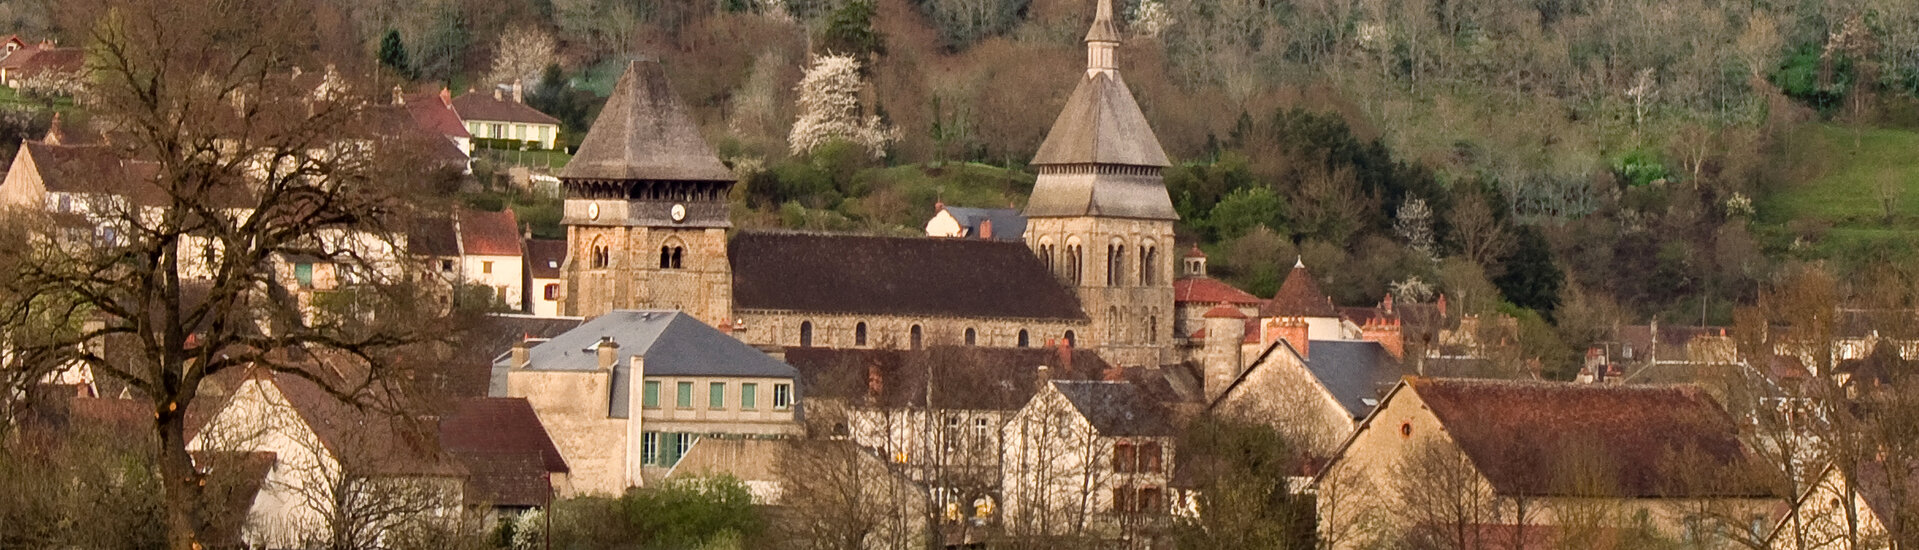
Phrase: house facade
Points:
(504, 115)
(1087, 460)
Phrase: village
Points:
(266, 295)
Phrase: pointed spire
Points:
(1101, 40)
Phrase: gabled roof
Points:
(1008, 224)
(1101, 124)
(433, 236)
(1116, 409)
(483, 107)
(44, 59)
(645, 133)
(372, 441)
(397, 122)
(1648, 441)
(436, 115)
(504, 446)
(1354, 372)
(1208, 290)
(235, 479)
(1299, 296)
(895, 276)
(544, 257)
(485, 233)
(91, 169)
(672, 344)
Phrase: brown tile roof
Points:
(433, 236)
(645, 133)
(369, 440)
(972, 378)
(504, 446)
(20, 56)
(544, 257)
(482, 106)
(1299, 296)
(1650, 441)
(895, 276)
(397, 122)
(93, 169)
(1210, 290)
(436, 115)
(63, 60)
(485, 233)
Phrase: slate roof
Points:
(480, 106)
(1521, 434)
(1101, 124)
(1116, 409)
(1209, 290)
(895, 276)
(544, 257)
(504, 446)
(963, 377)
(1008, 224)
(645, 133)
(1299, 296)
(673, 344)
(485, 233)
(1354, 371)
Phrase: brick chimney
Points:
(518, 95)
(1387, 333)
(609, 352)
(986, 230)
(398, 99)
(1065, 350)
(496, 94)
(446, 96)
(1291, 329)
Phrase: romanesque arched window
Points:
(1045, 251)
(916, 336)
(1152, 328)
(859, 334)
(1071, 340)
(1074, 261)
(600, 256)
(972, 336)
(1024, 341)
(1148, 264)
(1115, 264)
(806, 334)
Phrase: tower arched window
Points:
(859, 334)
(1074, 263)
(972, 336)
(1152, 328)
(1024, 340)
(678, 257)
(666, 257)
(917, 337)
(806, 334)
(1115, 264)
(1148, 265)
(601, 257)
(672, 256)
(1072, 341)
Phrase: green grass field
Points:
(1850, 170)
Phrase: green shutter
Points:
(747, 391)
(686, 395)
(718, 398)
(652, 398)
(304, 273)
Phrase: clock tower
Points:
(646, 212)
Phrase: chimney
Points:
(986, 230)
(1294, 331)
(496, 94)
(397, 98)
(609, 351)
(1065, 350)
(1386, 332)
(446, 96)
(518, 97)
(1387, 304)
(1442, 306)
(875, 383)
(520, 359)
(55, 133)
(1042, 377)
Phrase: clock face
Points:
(593, 211)
(679, 212)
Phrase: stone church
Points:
(647, 224)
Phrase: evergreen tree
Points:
(850, 31)
(393, 54)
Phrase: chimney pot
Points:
(609, 352)
(496, 94)
(518, 97)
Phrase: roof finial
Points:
(1299, 262)
(1101, 40)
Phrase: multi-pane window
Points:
(782, 396)
(650, 448)
(552, 292)
(716, 398)
(1134, 500)
(749, 392)
(1136, 457)
(651, 398)
(685, 400)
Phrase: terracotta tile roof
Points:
(485, 233)
(1224, 312)
(436, 115)
(1299, 296)
(397, 122)
(94, 169)
(544, 257)
(482, 106)
(895, 276)
(1210, 290)
(1519, 433)
(20, 56)
(506, 449)
(1193, 253)
(644, 133)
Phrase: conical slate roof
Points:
(645, 133)
(1101, 124)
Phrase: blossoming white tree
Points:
(830, 109)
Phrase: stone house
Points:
(1317, 400)
(1090, 460)
(504, 115)
(1545, 464)
(1839, 508)
(626, 394)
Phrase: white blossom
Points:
(829, 107)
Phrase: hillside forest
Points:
(1575, 164)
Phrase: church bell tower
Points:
(645, 210)
(1100, 215)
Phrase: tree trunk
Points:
(180, 484)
